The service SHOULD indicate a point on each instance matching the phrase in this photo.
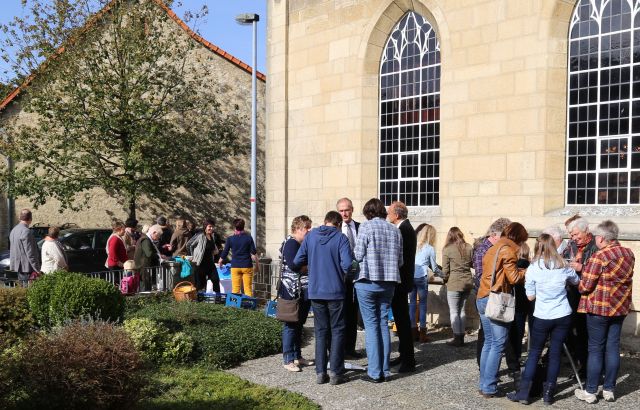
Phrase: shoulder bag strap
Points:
(493, 272)
(282, 262)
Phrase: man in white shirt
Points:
(349, 227)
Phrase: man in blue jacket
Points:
(326, 251)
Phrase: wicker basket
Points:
(185, 291)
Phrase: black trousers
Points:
(479, 344)
(513, 348)
(350, 318)
(577, 339)
(400, 309)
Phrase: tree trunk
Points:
(132, 208)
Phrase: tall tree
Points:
(122, 103)
(5, 89)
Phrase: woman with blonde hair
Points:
(457, 260)
(294, 283)
(425, 260)
(545, 282)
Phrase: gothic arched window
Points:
(603, 127)
(409, 166)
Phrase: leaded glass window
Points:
(603, 127)
(410, 114)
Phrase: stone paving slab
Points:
(445, 378)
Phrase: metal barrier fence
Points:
(156, 278)
(8, 279)
(266, 276)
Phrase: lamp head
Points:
(247, 18)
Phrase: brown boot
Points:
(423, 336)
(414, 333)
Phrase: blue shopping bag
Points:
(224, 272)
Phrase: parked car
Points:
(81, 257)
(4, 261)
(40, 230)
(85, 248)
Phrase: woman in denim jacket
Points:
(545, 282)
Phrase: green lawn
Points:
(191, 388)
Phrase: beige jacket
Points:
(457, 268)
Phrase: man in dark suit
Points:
(349, 227)
(24, 256)
(397, 215)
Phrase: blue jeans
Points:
(457, 302)
(541, 329)
(375, 300)
(495, 337)
(292, 334)
(604, 346)
(420, 289)
(328, 317)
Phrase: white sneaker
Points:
(608, 396)
(586, 396)
(303, 362)
(292, 367)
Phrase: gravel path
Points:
(445, 378)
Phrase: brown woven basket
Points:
(185, 291)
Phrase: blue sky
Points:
(220, 27)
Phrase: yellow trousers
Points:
(242, 277)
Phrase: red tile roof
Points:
(175, 18)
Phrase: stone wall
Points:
(503, 113)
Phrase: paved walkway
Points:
(446, 378)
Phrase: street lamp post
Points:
(245, 19)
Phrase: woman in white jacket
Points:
(53, 257)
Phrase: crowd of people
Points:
(145, 248)
(575, 291)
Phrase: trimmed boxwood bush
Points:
(223, 336)
(75, 296)
(156, 343)
(39, 295)
(16, 320)
(78, 366)
(136, 302)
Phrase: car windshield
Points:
(78, 240)
(64, 234)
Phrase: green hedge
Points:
(61, 296)
(39, 295)
(223, 336)
(16, 320)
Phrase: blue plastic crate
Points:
(241, 301)
(217, 298)
(270, 308)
